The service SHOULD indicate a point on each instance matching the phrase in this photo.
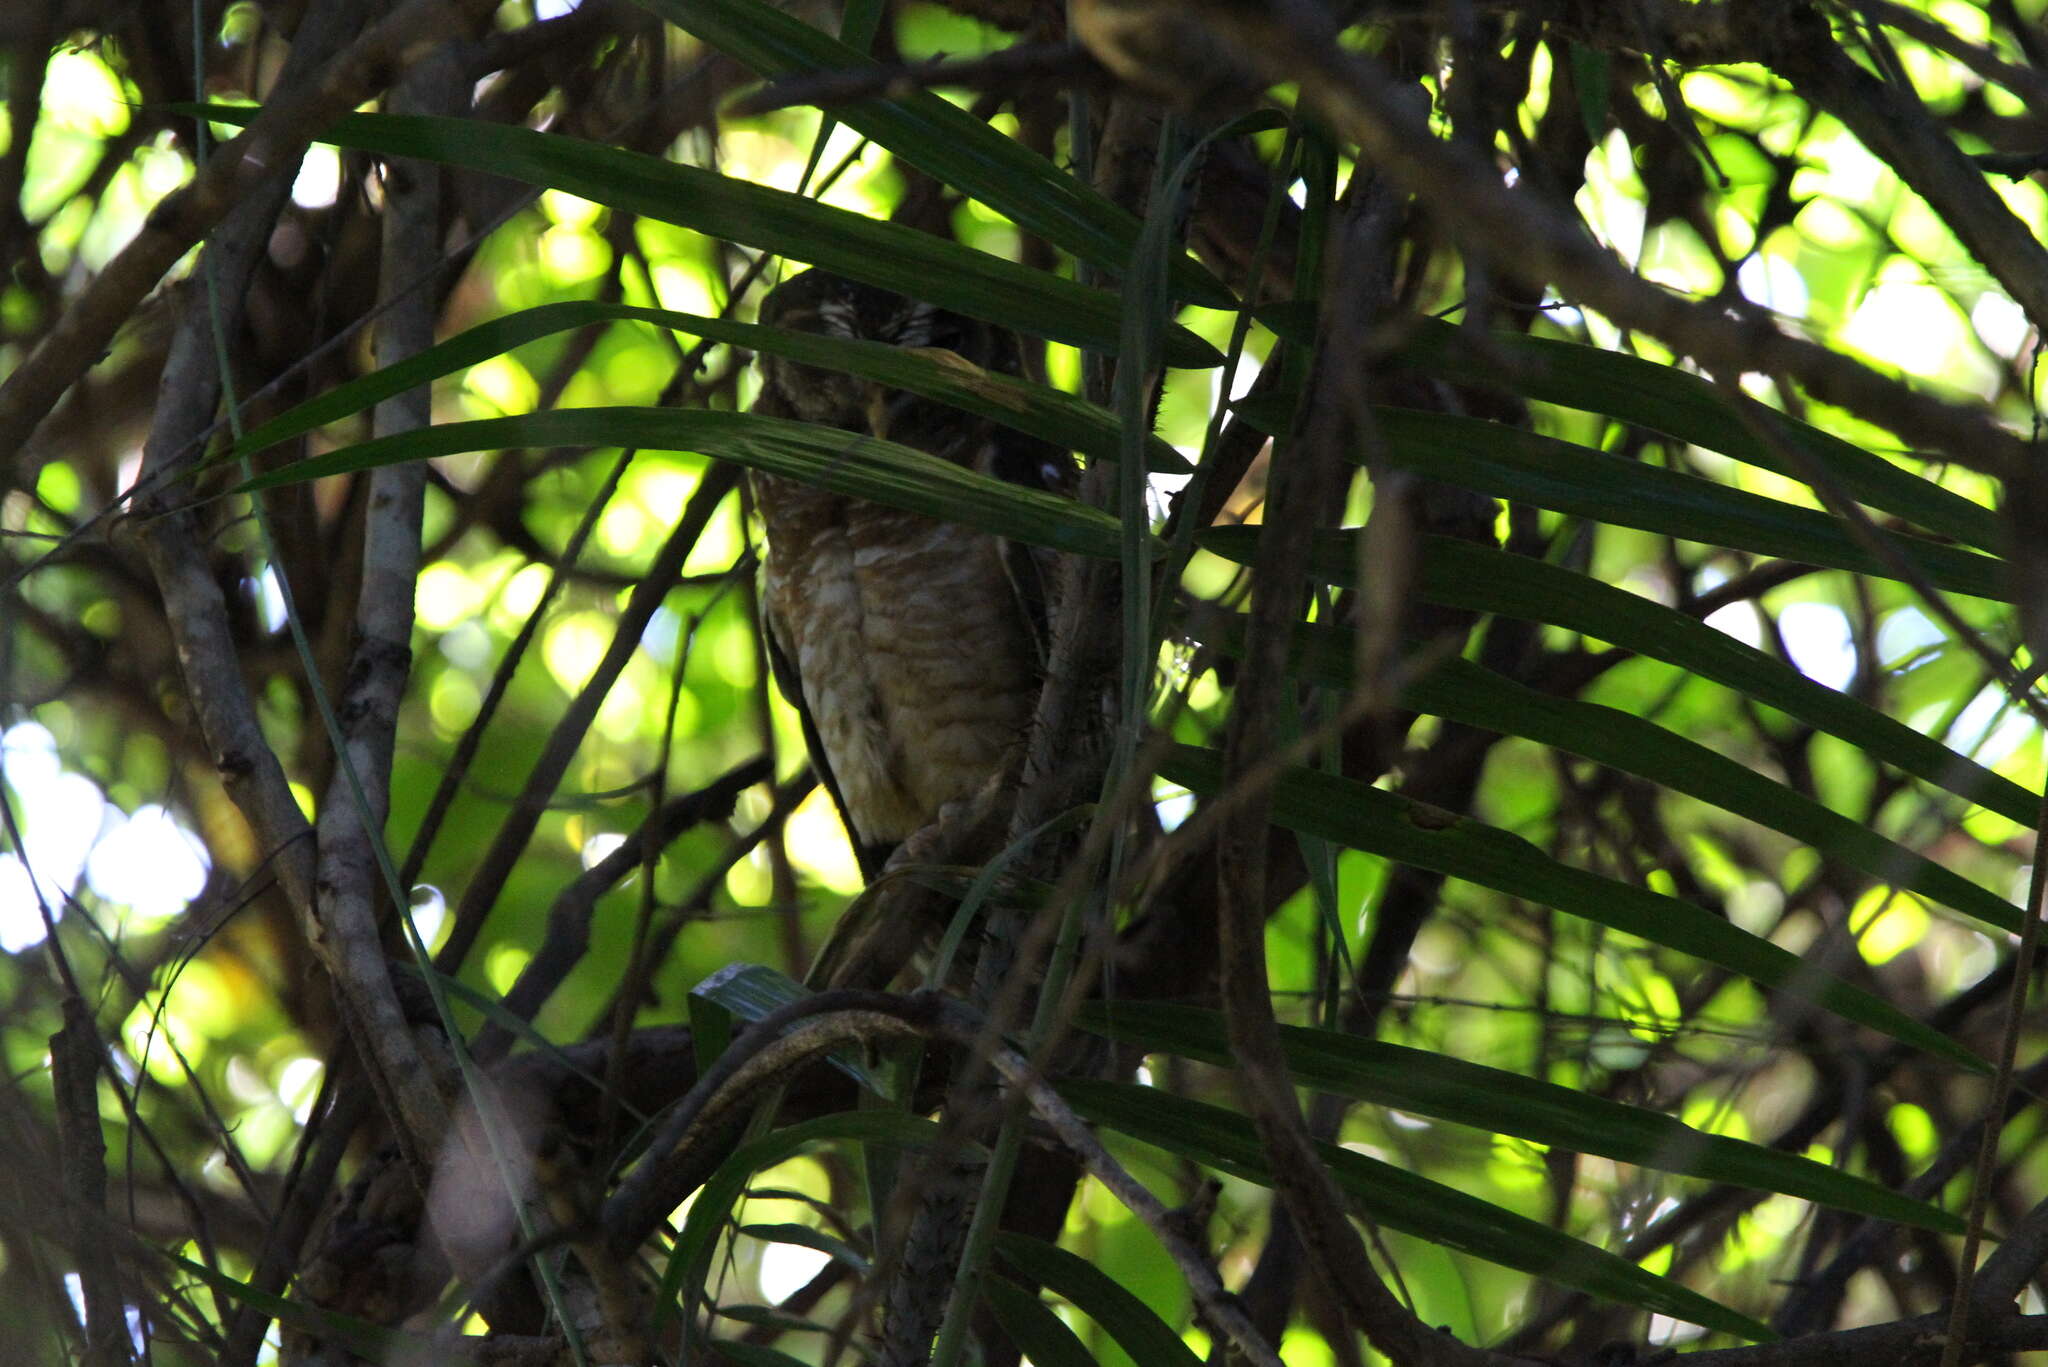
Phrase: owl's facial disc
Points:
(822, 396)
(820, 302)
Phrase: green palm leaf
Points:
(1459, 690)
(864, 467)
(1399, 1199)
(881, 253)
(941, 139)
(1040, 410)
(1480, 579)
(1492, 1099)
(1363, 817)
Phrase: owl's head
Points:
(821, 302)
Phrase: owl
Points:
(912, 649)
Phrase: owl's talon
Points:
(966, 830)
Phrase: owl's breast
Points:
(916, 667)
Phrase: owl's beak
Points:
(887, 408)
(881, 411)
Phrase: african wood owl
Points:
(912, 648)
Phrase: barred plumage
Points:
(911, 647)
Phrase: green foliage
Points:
(1655, 823)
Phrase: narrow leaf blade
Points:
(1460, 690)
(1480, 579)
(1032, 1326)
(864, 467)
(1508, 462)
(1040, 410)
(881, 253)
(1691, 408)
(941, 139)
(1149, 1340)
(1399, 1199)
(1492, 1099)
(1366, 818)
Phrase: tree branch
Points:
(265, 151)
(1541, 243)
(352, 859)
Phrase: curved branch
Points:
(261, 153)
(766, 1055)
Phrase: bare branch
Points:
(75, 1065)
(263, 152)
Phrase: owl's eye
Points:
(926, 326)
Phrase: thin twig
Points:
(2001, 1094)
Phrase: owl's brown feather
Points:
(911, 647)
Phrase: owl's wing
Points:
(782, 664)
(782, 658)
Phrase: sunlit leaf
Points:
(1432, 1084)
(881, 253)
(1401, 1200)
(1379, 822)
(842, 462)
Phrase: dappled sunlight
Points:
(817, 842)
(1819, 639)
(572, 648)
(143, 864)
(1917, 327)
(1631, 840)
(149, 864)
